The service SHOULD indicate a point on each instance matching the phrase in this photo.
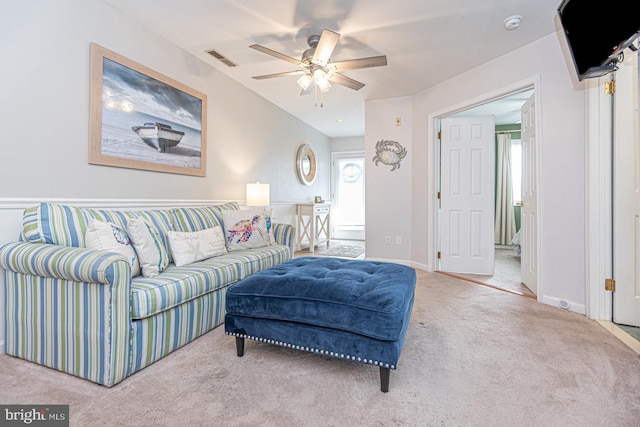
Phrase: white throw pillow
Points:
(272, 238)
(110, 237)
(247, 229)
(188, 247)
(152, 255)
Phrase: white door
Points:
(347, 211)
(626, 208)
(467, 174)
(529, 210)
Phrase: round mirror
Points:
(306, 164)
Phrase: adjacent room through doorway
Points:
(509, 158)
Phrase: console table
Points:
(314, 221)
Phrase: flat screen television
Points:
(598, 31)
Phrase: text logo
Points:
(34, 415)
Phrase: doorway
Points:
(348, 194)
(507, 109)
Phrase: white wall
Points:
(561, 162)
(44, 107)
(353, 143)
(388, 193)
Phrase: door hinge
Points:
(610, 87)
(439, 134)
(439, 254)
(610, 285)
(439, 195)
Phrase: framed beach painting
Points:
(141, 119)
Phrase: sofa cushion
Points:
(177, 285)
(200, 218)
(369, 298)
(255, 260)
(66, 225)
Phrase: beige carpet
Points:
(473, 356)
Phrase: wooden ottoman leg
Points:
(384, 379)
(240, 346)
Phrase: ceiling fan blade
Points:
(346, 81)
(276, 54)
(354, 64)
(328, 42)
(287, 73)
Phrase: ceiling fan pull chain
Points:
(317, 95)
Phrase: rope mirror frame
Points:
(306, 165)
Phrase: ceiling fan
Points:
(316, 67)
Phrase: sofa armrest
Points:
(285, 235)
(68, 308)
(60, 262)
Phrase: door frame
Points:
(434, 144)
(599, 185)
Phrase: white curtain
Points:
(505, 225)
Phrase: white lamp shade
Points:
(305, 81)
(257, 194)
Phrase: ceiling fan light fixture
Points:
(324, 86)
(317, 69)
(322, 80)
(305, 81)
(319, 75)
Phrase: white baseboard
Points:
(561, 303)
(397, 261)
(421, 266)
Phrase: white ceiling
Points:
(425, 41)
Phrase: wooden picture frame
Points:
(141, 119)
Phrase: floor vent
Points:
(221, 58)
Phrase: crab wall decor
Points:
(389, 153)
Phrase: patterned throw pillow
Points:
(108, 236)
(188, 247)
(247, 229)
(148, 244)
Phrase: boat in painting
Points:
(158, 135)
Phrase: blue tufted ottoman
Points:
(350, 309)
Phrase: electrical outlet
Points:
(398, 240)
(398, 121)
(387, 240)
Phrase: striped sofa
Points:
(78, 310)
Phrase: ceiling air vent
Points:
(221, 58)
